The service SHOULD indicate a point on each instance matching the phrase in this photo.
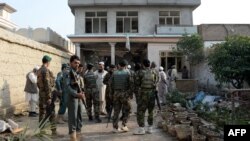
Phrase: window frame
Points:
(131, 20)
(169, 16)
(100, 18)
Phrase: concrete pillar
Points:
(78, 50)
(112, 45)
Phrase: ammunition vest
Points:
(148, 79)
(121, 80)
(90, 80)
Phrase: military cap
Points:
(112, 66)
(146, 62)
(90, 66)
(64, 66)
(123, 63)
(46, 58)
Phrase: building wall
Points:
(202, 71)
(148, 17)
(218, 32)
(18, 56)
(155, 49)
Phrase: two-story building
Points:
(109, 30)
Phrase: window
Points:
(127, 22)
(96, 22)
(169, 17)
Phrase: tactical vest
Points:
(148, 79)
(121, 80)
(90, 80)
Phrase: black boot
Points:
(32, 114)
(121, 118)
(97, 119)
(90, 118)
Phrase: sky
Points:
(57, 15)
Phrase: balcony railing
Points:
(175, 29)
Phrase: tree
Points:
(192, 47)
(230, 61)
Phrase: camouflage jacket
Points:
(45, 81)
(139, 78)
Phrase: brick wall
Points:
(18, 56)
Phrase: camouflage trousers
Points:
(92, 98)
(46, 112)
(121, 101)
(108, 100)
(146, 101)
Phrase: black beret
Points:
(112, 66)
(90, 66)
(123, 63)
(146, 62)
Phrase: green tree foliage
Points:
(192, 47)
(230, 61)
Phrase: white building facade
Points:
(110, 30)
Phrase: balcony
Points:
(175, 30)
(192, 3)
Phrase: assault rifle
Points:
(79, 89)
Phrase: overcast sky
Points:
(57, 15)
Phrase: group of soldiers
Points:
(76, 88)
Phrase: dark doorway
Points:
(163, 62)
(170, 61)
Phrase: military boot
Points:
(97, 119)
(90, 118)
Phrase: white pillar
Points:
(112, 53)
(78, 50)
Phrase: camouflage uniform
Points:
(45, 82)
(91, 93)
(136, 86)
(120, 86)
(146, 79)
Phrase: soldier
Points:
(120, 86)
(136, 88)
(92, 95)
(63, 96)
(45, 83)
(75, 95)
(131, 72)
(147, 79)
(106, 81)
